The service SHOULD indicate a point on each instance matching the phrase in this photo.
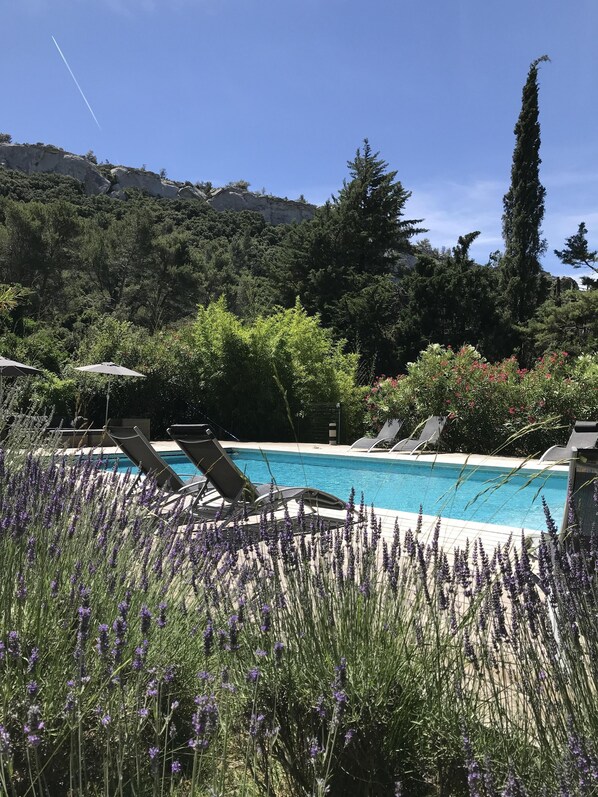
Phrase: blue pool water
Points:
(486, 495)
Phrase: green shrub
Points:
(255, 379)
(252, 379)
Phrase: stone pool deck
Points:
(453, 533)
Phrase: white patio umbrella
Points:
(110, 369)
(13, 368)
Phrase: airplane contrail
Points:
(66, 63)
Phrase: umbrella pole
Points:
(107, 402)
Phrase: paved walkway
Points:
(453, 533)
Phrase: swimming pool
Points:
(483, 494)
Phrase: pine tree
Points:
(343, 263)
(577, 254)
(522, 281)
(370, 207)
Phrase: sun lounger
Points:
(384, 439)
(584, 435)
(237, 495)
(135, 445)
(429, 435)
(580, 522)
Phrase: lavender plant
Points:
(144, 652)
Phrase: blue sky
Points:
(282, 92)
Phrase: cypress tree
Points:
(522, 280)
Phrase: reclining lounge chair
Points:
(429, 435)
(580, 521)
(584, 435)
(135, 445)
(384, 439)
(237, 496)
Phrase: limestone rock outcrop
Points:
(34, 158)
(274, 209)
(148, 182)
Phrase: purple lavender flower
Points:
(340, 673)
(161, 621)
(474, 775)
(146, 619)
(320, 708)
(469, 650)
(349, 736)
(14, 644)
(32, 688)
(340, 702)
(233, 631)
(140, 655)
(266, 619)
(175, 766)
(102, 640)
(278, 651)
(21, 587)
(204, 721)
(208, 638)
(314, 749)
(34, 726)
(33, 659)
(123, 607)
(253, 675)
(514, 787)
(33, 739)
(31, 551)
(255, 724)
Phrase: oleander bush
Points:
(491, 406)
(143, 652)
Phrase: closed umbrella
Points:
(13, 368)
(110, 369)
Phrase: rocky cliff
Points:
(274, 209)
(34, 158)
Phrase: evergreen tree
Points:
(343, 264)
(577, 254)
(448, 299)
(522, 281)
(373, 233)
(570, 324)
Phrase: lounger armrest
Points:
(361, 443)
(400, 443)
(383, 442)
(549, 451)
(419, 446)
